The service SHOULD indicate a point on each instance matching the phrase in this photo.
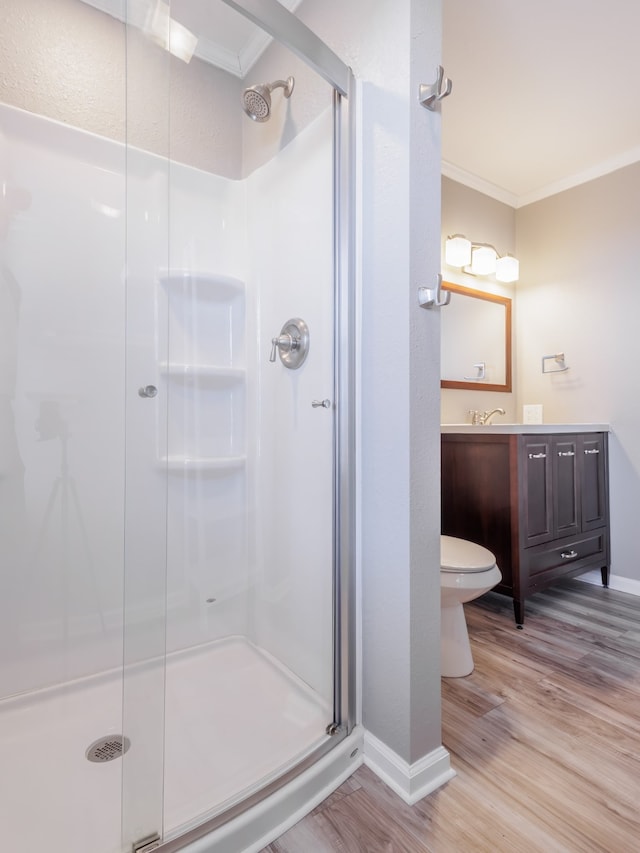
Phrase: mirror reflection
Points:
(476, 340)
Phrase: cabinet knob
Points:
(569, 555)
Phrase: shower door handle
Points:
(147, 391)
(318, 404)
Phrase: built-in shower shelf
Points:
(203, 375)
(212, 464)
(203, 285)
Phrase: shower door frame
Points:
(293, 34)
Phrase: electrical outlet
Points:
(532, 414)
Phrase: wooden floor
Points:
(544, 736)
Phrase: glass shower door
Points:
(250, 488)
(146, 407)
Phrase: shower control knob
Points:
(292, 344)
(321, 404)
(148, 391)
(284, 343)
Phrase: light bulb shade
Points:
(507, 269)
(457, 251)
(483, 260)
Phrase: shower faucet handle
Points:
(292, 344)
(284, 343)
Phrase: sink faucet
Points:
(485, 417)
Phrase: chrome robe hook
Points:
(432, 297)
(429, 95)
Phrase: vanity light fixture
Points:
(480, 259)
(483, 260)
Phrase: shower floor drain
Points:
(108, 748)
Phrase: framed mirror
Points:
(476, 340)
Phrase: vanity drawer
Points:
(560, 558)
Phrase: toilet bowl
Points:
(467, 570)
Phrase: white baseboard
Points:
(411, 782)
(629, 585)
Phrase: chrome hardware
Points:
(485, 417)
(333, 729)
(537, 456)
(558, 357)
(292, 344)
(324, 404)
(284, 343)
(567, 453)
(147, 391)
(570, 556)
(429, 95)
(590, 452)
(146, 845)
(431, 297)
(481, 368)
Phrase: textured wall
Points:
(310, 97)
(65, 60)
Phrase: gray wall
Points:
(483, 220)
(580, 294)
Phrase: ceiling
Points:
(545, 94)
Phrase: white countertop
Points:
(523, 429)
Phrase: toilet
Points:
(467, 570)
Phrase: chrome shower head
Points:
(256, 100)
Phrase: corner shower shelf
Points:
(211, 464)
(204, 285)
(202, 374)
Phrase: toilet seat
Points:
(467, 571)
(460, 555)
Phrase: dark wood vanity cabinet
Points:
(538, 502)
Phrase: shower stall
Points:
(176, 423)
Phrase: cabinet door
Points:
(566, 503)
(536, 491)
(592, 452)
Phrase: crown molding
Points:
(626, 158)
(476, 183)
(606, 167)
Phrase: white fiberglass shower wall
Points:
(167, 493)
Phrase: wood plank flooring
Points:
(544, 736)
